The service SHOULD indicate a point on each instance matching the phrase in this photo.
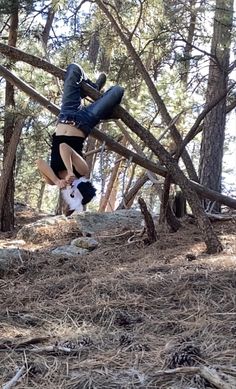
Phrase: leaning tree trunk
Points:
(210, 170)
(112, 179)
(129, 197)
(7, 204)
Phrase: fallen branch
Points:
(219, 379)
(221, 217)
(15, 379)
(28, 342)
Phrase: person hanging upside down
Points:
(68, 169)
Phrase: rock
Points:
(85, 243)
(84, 223)
(9, 255)
(69, 251)
(93, 222)
(47, 228)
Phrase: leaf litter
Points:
(122, 313)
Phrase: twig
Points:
(20, 257)
(14, 380)
(55, 349)
(216, 378)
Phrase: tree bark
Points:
(112, 179)
(188, 46)
(165, 199)
(210, 169)
(7, 178)
(94, 45)
(40, 195)
(149, 223)
(7, 216)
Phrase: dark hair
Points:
(87, 190)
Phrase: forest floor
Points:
(122, 315)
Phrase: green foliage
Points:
(11, 6)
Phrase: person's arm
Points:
(49, 175)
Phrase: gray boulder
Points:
(85, 243)
(69, 251)
(84, 223)
(93, 222)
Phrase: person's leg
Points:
(48, 174)
(102, 108)
(71, 98)
(72, 93)
(72, 159)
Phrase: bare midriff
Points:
(68, 130)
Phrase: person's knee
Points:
(119, 89)
(74, 70)
(117, 92)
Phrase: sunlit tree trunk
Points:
(210, 169)
(113, 177)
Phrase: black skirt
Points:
(75, 142)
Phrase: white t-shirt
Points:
(72, 195)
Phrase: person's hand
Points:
(61, 184)
(69, 178)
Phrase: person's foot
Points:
(101, 81)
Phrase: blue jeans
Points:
(85, 118)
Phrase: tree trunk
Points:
(129, 197)
(7, 191)
(113, 177)
(113, 196)
(90, 158)
(179, 205)
(94, 45)
(149, 223)
(188, 46)
(40, 195)
(165, 199)
(210, 169)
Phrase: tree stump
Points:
(149, 223)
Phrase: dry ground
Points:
(113, 318)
